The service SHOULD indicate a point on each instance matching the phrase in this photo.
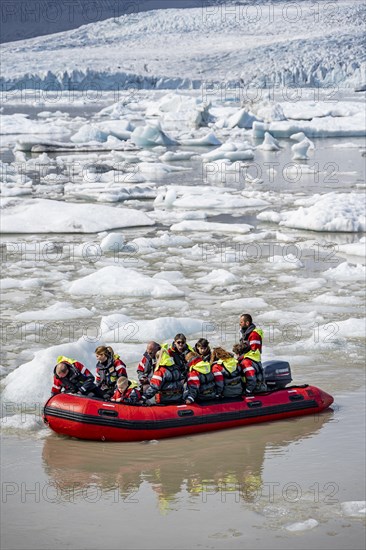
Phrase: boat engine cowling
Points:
(277, 374)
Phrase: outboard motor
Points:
(277, 374)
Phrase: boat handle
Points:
(296, 397)
(107, 412)
(186, 412)
(254, 403)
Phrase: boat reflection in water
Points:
(228, 461)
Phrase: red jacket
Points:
(79, 367)
(145, 368)
(249, 372)
(167, 384)
(204, 385)
(131, 395)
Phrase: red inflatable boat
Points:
(91, 418)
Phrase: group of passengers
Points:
(171, 373)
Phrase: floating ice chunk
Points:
(343, 212)
(172, 216)
(120, 129)
(41, 160)
(211, 227)
(353, 249)
(326, 126)
(302, 525)
(346, 272)
(150, 136)
(300, 150)
(170, 197)
(164, 241)
(217, 201)
(269, 143)
(87, 133)
(170, 156)
(171, 276)
(241, 119)
(116, 327)
(180, 108)
(58, 311)
(269, 216)
(121, 281)
(28, 284)
(20, 123)
(355, 508)
(114, 242)
(232, 151)
(350, 328)
(218, 277)
(285, 262)
(300, 136)
(159, 168)
(242, 304)
(208, 139)
(47, 216)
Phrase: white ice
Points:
(48, 216)
(120, 281)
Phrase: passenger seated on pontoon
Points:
(178, 351)
(252, 371)
(127, 391)
(166, 383)
(72, 376)
(146, 367)
(231, 371)
(202, 347)
(203, 382)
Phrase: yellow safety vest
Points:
(229, 364)
(255, 354)
(165, 360)
(63, 359)
(203, 367)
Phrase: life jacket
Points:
(259, 372)
(179, 357)
(74, 379)
(232, 377)
(108, 372)
(171, 389)
(132, 384)
(207, 389)
(149, 366)
(253, 354)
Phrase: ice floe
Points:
(47, 216)
(121, 281)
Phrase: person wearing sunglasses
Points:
(178, 351)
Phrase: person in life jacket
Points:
(178, 351)
(251, 336)
(109, 368)
(252, 371)
(127, 391)
(202, 347)
(146, 367)
(166, 383)
(203, 382)
(231, 371)
(71, 376)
